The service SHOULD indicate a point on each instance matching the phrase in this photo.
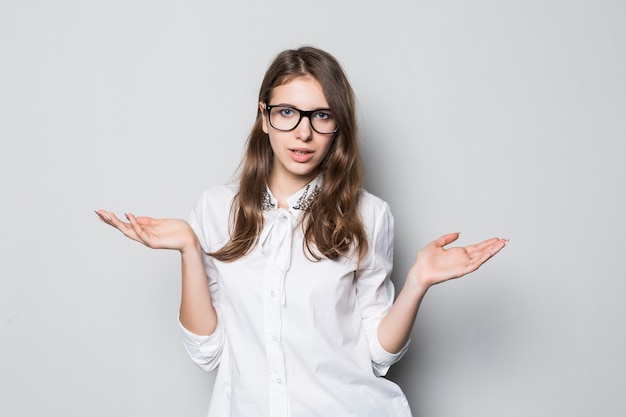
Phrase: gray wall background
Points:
(485, 117)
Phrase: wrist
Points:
(192, 246)
(416, 284)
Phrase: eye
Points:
(286, 112)
(323, 115)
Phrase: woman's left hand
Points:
(435, 263)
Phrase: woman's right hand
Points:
(154, 233)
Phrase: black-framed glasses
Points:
(286, 118)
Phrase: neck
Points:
(283, 188)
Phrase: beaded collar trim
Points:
(304, 202)
(267, 201)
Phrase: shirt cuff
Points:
(205, 351)
(382, 360)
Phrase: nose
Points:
(304, 131)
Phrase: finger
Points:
(125, 228)
(111, 219)
(132, 220)
(446, 239)
(493, 245)
(142, 235)
(480, 257)
(482, 245)
(103, 215)
(145, 221)
(498, 246)
(115, 221)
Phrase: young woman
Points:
(285, 275)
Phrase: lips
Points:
(301, 155)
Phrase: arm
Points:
(197, 313)
(434, 264)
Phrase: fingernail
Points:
(103, 216)
(127, 217)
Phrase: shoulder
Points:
(372, 206)
(210, 215)
(379, 228)
(216, 198)
(216, 202)
(219, 194)
(376, 216)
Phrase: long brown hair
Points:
(332, 224)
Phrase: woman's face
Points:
(298, 153)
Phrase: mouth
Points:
(301, 155)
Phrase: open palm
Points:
(435, 263)
(154, 233)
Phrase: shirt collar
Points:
(301, 200)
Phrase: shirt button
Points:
(279, 381)
(274, 337)
(273, 294)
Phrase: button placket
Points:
(278, 241)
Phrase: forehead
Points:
(302, 92)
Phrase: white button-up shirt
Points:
(296, 337)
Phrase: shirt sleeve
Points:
(375, 290)
(205, 351)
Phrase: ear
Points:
(264, 125)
